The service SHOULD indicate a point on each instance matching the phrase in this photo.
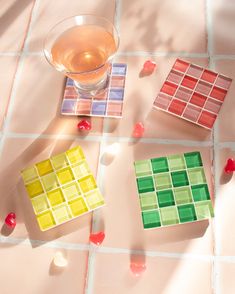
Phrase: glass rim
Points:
(45, 52)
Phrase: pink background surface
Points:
(191, 258)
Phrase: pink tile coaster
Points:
(193, 93)
(107, 104)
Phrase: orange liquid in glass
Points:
(82, 53)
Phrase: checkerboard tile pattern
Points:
(61, 188)
(193, 93)
(172, 190)
(107, 104)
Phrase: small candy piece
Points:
(137, 267)
(84, 125)
(138, 130)
(97, 238)
(59, 260)
(149, 66)
(230, 166)
(10, 220)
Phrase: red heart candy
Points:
(10, 220)
(149, 66)
(97, 238)
(138, 130)
(230, 166)
(84, 125)
(138, 267)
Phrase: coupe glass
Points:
(82, 48)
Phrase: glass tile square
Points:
(193, 159)
(171, 197)
(59, 161)
(183, 195)
(50, 181)
(87, 184)
(61, 213)
(192, 86)
(204, 210)
(54, 186)
(55, 197)
(81, 169)
(75, 155)
(34, 188)
(196, 176)
(200, 193)
(65, 175)
(46, 220)
(176, 162)
(71, 191)
(159, 165)
(162, 181)
(165, 198)
(94, 199)
(148, 201)
(29, 174)
(187, 213)
(169, 216)
(179, 178)
(40, 203)
(78, 206)
(44, 167)
(151, 219)
(145, 184)
(143, 168)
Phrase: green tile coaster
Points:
(172, 190)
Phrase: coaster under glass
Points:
(107, 104)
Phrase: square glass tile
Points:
(196, 176)
(61, 188)
(192, 83)
(200, 193)
(145, 184)
(204, 210)
(165, 198)
(175, 192)
(187, 213)
(176, 162)
(148, 201)
(183, 195)
(193, 159)
(151, 219)
(159, 165)
(179, 178)
(143, 168)
(169, 216)
(162, 181)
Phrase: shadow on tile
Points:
(225, 178)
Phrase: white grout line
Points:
(113, 139)
(100, 178)
(112, 250)
(210, 48)
(97, 138)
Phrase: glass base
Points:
(93, 89)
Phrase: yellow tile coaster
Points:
(78, 206)
(61, 188)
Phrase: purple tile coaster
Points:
(107, 104)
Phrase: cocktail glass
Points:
(82, 47)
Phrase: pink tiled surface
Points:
(191, 258)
